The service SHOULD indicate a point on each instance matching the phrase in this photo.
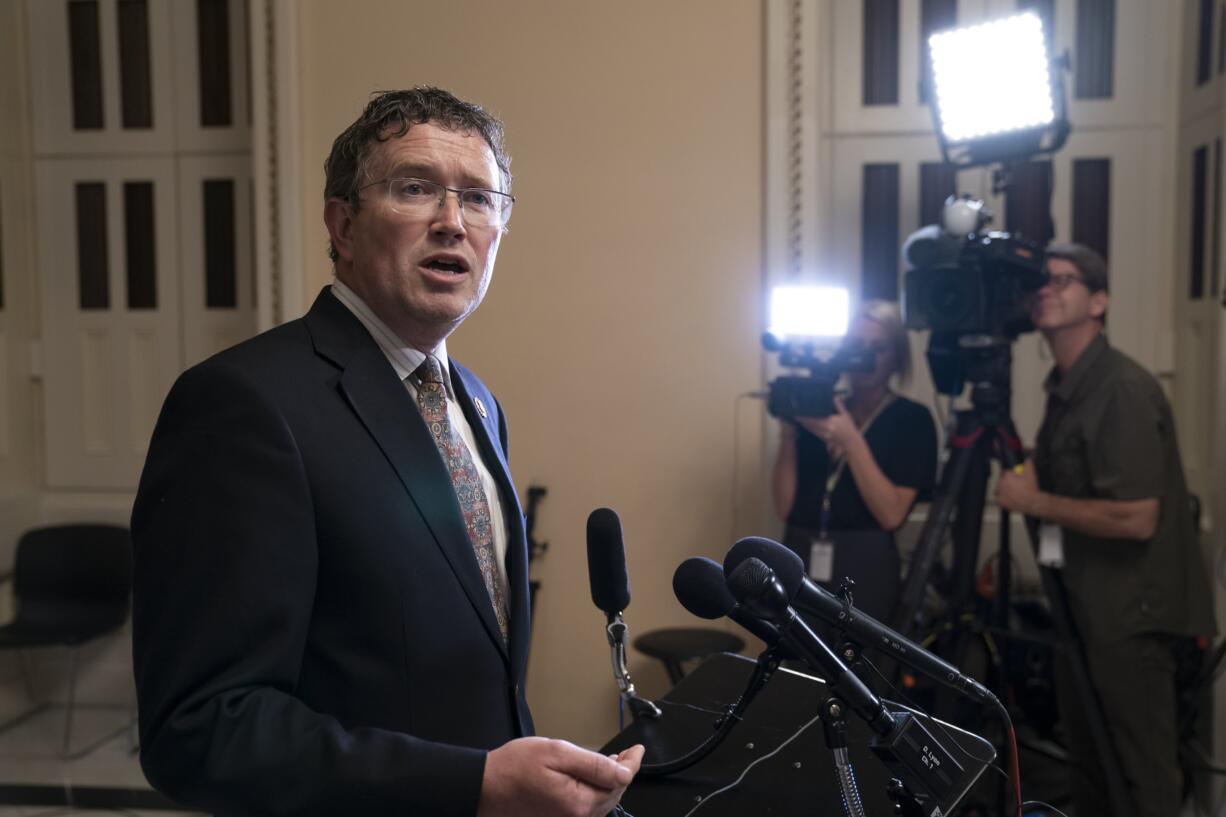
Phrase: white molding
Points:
(276, 151)
(779, 122)
(257, 25)
(289, 153)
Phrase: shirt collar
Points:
(1064, 387)
(404, 358)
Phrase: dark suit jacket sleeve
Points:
(226, 566)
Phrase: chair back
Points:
(82, 568)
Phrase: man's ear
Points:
(338, 217)
(1098, 303)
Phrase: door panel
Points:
(106, 368)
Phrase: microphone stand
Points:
(616, 632)
(834, 726)
(768, 662)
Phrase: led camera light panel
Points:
(809, 312)
(992, 78)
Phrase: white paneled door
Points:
(143, 202)
(110, 313)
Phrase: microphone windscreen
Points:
(700, 587)
(747, 578)
(788, 567)
(606, 562)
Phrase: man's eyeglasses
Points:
(1061, 281)
(420, 198)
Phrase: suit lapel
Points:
(471, 394)
(385, 407)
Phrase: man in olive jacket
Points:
(1107, 483)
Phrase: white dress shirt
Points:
(405, 359)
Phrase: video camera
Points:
(971, 287)
(807, 329)
(793, 396)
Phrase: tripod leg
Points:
(1057, 598)
(967, 529)
(1004, 574)
(953, 477)
(968, 525)
(1117, 786)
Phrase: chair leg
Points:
(65, 750)
(70, 707)
(72, 700)
(17, 720)
(134, 730)
(36, 707)
(23, 663)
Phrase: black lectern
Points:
(798, 778)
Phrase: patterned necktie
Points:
(432, 401)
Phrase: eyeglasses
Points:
(1061, 280)
(421, 198)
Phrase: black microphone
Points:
(860, 627)
(606, 562)
(759, 590)
(606, 571)
(700, 586)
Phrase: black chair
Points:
(71, 584)
(675, 646)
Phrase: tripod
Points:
(982, 433)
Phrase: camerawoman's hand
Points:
(839, 431)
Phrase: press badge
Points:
(1051, 545)
(821, 560)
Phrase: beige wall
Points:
(19, 458)
(625, 310)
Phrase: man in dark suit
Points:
(331, 609)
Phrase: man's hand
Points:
(1137, 519)
(539, 777)
(1018, 490)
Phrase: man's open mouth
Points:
(446, 265)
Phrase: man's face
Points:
(1065, 301)
(422, 275)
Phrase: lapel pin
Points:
(480, 407)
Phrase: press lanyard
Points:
(836, 469)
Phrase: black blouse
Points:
(903, 441)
